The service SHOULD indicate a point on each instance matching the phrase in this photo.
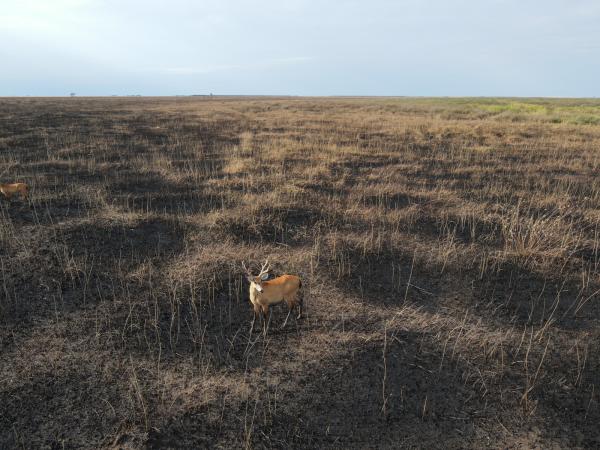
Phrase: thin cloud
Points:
(382, 47)
(193, 70)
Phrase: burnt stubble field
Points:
(449, 251)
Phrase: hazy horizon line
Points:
(299, 96)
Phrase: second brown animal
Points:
(10, 189)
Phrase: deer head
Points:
(257, 280)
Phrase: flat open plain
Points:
(449, 250)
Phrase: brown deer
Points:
(8, 190)
(266, 293)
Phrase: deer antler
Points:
(246, 269)
(265, 268)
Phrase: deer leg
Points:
(255, 312)
(266, 320)
(300, 303)
(290, 304)
(269, 319)
(287, 317)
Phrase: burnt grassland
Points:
(449, 250)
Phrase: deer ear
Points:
(265, 276)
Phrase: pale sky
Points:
(300, 47)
